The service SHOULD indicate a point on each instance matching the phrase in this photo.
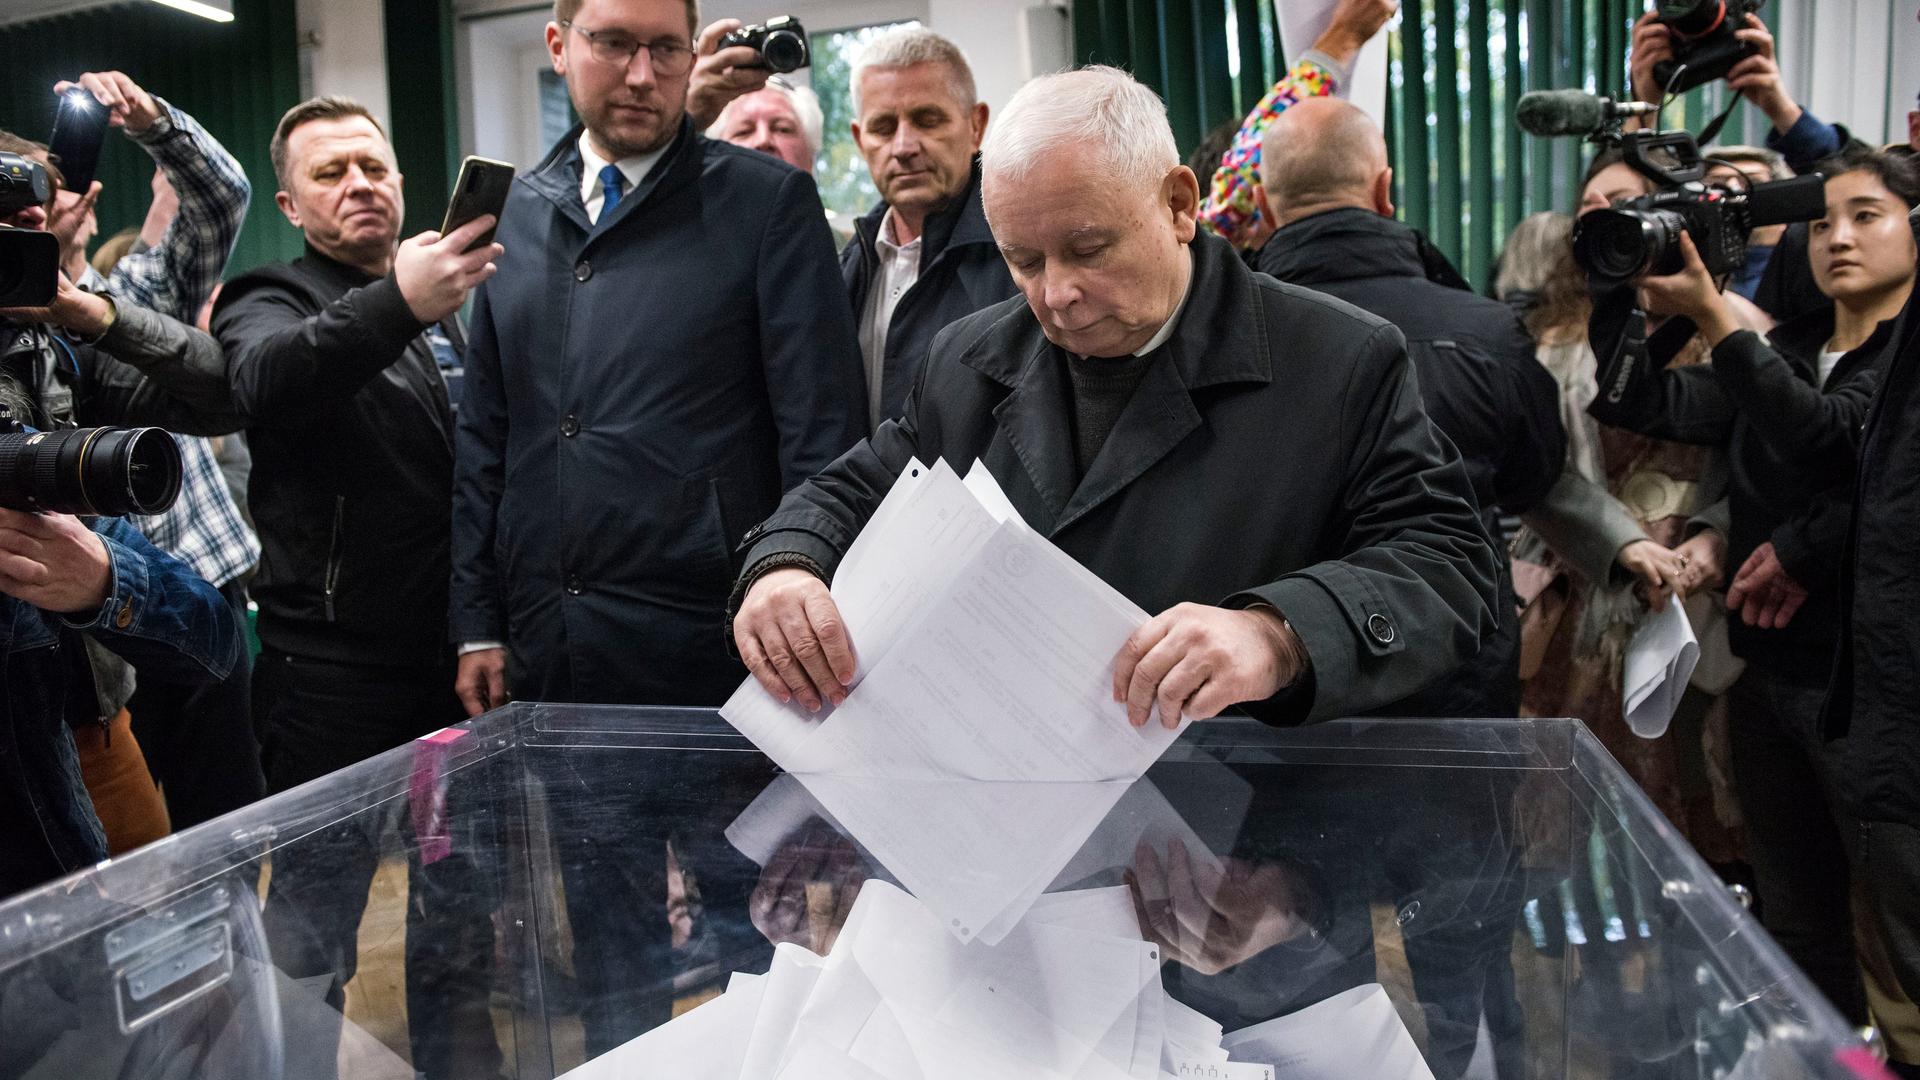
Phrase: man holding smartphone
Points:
(352, 438)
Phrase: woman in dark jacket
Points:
(1788, 411)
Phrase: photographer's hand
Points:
(720, 75)
(1693, 293)
(128, 106)
(1353, 24)
(1652, 43)
(53, 562)
(1758, 77)
(65, 220)
(75, 310)
(436, 272)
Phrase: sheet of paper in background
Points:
(707, 1042)
(1660, 659)
(1303, 21)
(784, 992)
(816, 1059)
(1354, 1033)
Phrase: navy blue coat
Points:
(638, 393)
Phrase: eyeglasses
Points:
(669, 58)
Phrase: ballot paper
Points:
(1351, 1034)
(979, 745)
(1659, 662)
(1303, 21)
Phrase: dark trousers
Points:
(1786, 779)
(321, 717)
(199, 739)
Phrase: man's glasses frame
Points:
(669, 58)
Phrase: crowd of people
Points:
(1244, 394)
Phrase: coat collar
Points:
(1221, 339)
(557, 178)
(959, 225)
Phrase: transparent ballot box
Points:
(615, 892)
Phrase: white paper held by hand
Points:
(1660, 659)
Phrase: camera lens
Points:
(1612, 245)
(1692, 18)
(109, 472)
(784, 51)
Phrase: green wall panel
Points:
(236, 78)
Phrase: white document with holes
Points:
(979, 745)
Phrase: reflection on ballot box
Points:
(1366, 900)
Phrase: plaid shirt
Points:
(174, 277)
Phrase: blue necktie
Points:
(613, 183)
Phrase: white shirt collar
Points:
(1165, 332)
(634, 168)
(885, 240)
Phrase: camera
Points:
(1704, 47)
(93, 471)
(29, 258)
(1642, 236)
(781, 42)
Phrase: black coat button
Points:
(1381, 629)
(582, 270)
(573, 585)
(570, 426)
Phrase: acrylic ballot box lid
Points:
(530, 893)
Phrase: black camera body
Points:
(1704, 48)
(1642, 236)
(781, 43)
(89, 472)
(29, 258)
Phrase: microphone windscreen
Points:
(1560, 112)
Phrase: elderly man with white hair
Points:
(1249, 459)
(785, 121)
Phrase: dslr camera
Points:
(781, 43)
(92, 471)
(29, 258)
(1704, 47)
(1642, 236)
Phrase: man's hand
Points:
(1702, 562)
(1194, 660)
(74, 310)
(1763, 593)
(1656, 571)
(481, 681)
(1652, 43)
(790, 634)
(1209, 920)
(53, 562)
(67, 219)
(1758, 76)
(161, 211)
(1691, 292)
(720, 75)
(127, 105)
(1353, 24)
(815, 859)
(436, 272)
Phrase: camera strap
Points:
(1712, 130)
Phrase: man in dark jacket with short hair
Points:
(924, 257)
(1326, 180)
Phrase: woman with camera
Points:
(1787, 412)
(1613, 539)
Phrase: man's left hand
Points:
(720, 75)
(127, 105)
(1193, 660)
(53, 562)
(74, 309)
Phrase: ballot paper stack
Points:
(1071, 993)
(980, 744)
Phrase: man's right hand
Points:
(720, 75)
(1652, 43)
(435, 273)
(790, 634)
(482, 680)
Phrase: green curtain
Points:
(236, 78)
(422, 107)
(1463, 173)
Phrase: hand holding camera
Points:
(736, 59)
(435, 273)
(126, 103)
(73, 309)
(1691, 292)
(53, 562)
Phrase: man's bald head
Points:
(1321, 154)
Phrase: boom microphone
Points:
(1572, 112)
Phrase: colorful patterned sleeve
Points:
(1229, 208)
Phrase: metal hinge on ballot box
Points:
(164, 959)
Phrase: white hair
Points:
(1096, 111)
(911, 46)
(806, 106)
